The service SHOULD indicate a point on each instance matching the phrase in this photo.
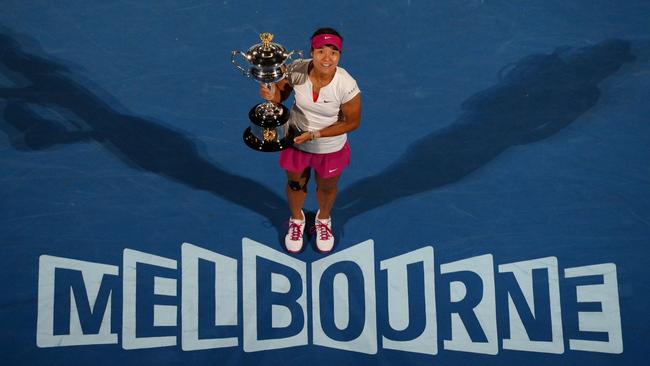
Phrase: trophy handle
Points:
(246, 73)
(292, 53)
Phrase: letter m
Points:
(74, 302)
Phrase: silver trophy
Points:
(269, 130)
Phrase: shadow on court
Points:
(83, 116)
(533, 99)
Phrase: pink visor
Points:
(324, 39)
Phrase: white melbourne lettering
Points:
(346, 294)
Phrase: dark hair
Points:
(326, 30)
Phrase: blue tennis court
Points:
(496, 209)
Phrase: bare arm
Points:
(279, 91)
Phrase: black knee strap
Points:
(295, 186)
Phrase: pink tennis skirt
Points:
(326, 165)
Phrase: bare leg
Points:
(297, 192)
(326, 189)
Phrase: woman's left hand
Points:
(303, 137)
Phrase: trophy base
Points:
(267, 146)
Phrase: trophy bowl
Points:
(267, 64)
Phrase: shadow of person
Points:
(139, 142)
(30, 131)
(534, 98)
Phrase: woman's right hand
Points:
(268, 93)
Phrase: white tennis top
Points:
(307, 115)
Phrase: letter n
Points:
(534, 312)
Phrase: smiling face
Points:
(325, 59)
